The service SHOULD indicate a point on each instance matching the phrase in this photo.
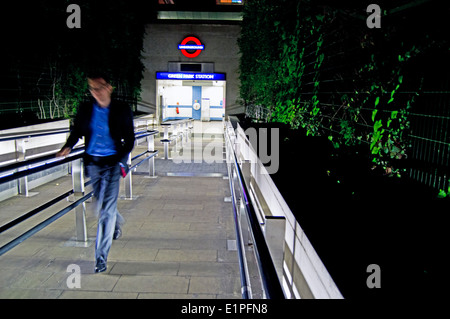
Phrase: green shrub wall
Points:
(320, 68)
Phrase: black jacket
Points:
(121, 127)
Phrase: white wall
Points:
(180, 96)
(215, 94)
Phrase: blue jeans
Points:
(106, 184)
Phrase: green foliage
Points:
(443, 193)
(283, 46)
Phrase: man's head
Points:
(100, 89)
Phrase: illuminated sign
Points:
(191, 47)
(190, 76)
(229, 2)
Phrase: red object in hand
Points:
(122, 170)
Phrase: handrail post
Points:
(180, 132)
(166, 131)
(185, 131)
(128, 181)
(175, 135)
(151, 148)
(166, 143)
(78, 189)
(20, 156)
(150, 143)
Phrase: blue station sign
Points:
(190, 76)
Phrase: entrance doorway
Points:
(179, 97)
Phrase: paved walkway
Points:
(177, 242)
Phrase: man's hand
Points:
(63, 152)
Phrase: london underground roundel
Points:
(191, 47)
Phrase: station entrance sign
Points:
(190, 76)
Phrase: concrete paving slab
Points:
(227, 285)
(78, 294)
(187, 255)
(19, 293)
(152, 295)
(148, 268)
(159, 284)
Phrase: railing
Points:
(181, 129)
(19, 143)
(247, 223)
(46, 162)
(257, 112)
(23, 169)
(151, 152)
(299, 268)
(33, 134)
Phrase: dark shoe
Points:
(117, 234)
(100, 266)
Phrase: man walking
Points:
(107, 125)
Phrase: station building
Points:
(191, 68)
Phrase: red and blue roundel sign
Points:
(191, 47)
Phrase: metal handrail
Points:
(171, 122)
(142, 134)
(271, 284)
(174, 123)
(154, 153)
(47, 162)
(51, 162)
(16, 241)
(30, 162)
(18, 137)
(35, 211)
(243, 271)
